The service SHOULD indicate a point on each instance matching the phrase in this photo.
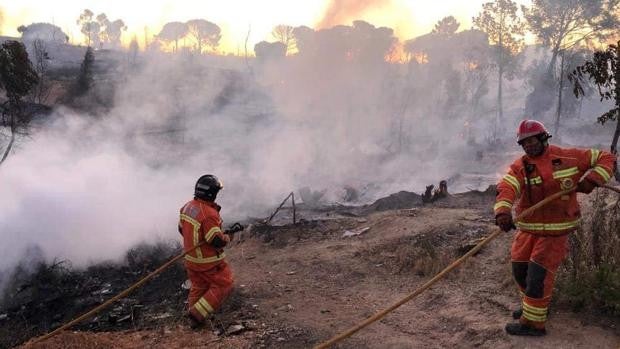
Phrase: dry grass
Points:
(422, 258)
(151, 255)
(591, 275)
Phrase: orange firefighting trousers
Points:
(535, 260)
(209, 289)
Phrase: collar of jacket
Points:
(210, 203)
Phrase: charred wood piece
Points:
(431, 194)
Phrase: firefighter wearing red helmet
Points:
(541, 241)
(210, 276)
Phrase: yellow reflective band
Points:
(566, 173)
(201, 309)
(535, 180)
(603, 172)
(205, 304)
(205, 260)
(189, 220)
(595, 153)
(502, 203)
(512, 180)
(532, 317)
(547, 226)
(196, 237)
(211, 233)
(534, 313)
(534, 310)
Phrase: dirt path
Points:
(333, 283)
(306, 283)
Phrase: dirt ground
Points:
(298, 285)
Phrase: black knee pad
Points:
(519, 272)
(535, 280)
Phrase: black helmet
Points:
(207, 187)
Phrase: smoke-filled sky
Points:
(408, 18)
(86, 187)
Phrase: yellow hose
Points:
(117, 297)
(437, 277)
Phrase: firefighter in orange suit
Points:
(541, 241)
(210, 275)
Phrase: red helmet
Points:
(529, 128)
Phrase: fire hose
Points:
(441, 274)
(117, 297)
(234, 229)
(345, 334)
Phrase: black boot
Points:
(518, 329)
(194, 323)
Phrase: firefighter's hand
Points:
(237, 227)
(504, 221)
(586, 186)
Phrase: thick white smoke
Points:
(87, 187)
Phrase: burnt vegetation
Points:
(463, 79)
(40, 296)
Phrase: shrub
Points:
(591, 274)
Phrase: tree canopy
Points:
(204, 33)
(446, 26)
(42, 31)
(17, 75)
(17, 78)
(284, 34)
(173, 32)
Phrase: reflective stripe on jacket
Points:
(531, 179)
(200, 221)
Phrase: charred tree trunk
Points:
(9, 146)
(614, 142)
(500, 74)
(400, 134)
(554, 58)
(598, 220)
(500, 112)
(561, 86)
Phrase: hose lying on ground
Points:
(117, 297)
(437, 277)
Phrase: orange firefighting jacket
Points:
(200, 221)
(531, 179)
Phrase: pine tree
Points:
(17, 78)
(85, 79)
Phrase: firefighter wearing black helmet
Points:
(200, 224)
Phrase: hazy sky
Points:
(409, 18)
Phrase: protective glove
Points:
(234, 228)
(504, 221)
(586, 186)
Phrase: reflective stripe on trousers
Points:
(209, 289)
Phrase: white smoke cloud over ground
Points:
(86, 188)
(82, 199)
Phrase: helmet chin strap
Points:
(207, 196)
